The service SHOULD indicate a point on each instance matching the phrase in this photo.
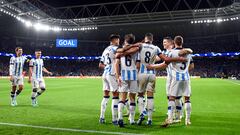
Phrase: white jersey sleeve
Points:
(108, 59)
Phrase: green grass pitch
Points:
(75, 104)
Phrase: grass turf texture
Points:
(75, 103)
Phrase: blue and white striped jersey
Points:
(179, 70)
(167, 53)
(108, 59)
(148, 54)
(37, 65)
(16, 65)
(128, 66)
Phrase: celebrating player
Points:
(109, 79)
(36, 69)
(147, 78)
(126, 75)
(180, 82)
(16, 74)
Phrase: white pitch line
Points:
(233, 82)
(68, 129)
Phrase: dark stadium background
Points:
(202, 38)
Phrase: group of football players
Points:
(130, 71)
(36, 69)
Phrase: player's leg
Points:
(187, 104)
(127, 105)
(140, 101)
(142, 88)
(174, 87)
(115, 101)
(133, 89)
(114, 88)
(150, 97)
(121, 104)
(12, 93)
(104, 106)
(123, 90)
(188, 109)
(35, 86)
(20, 88)
(105, 100)
(42, 87)
(168, 83)
(178, 110)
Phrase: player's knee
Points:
(140, 94)
(171, 98)
(20, 88)
(115, 94)
(187, 99)
(34, 90)
(179, 97)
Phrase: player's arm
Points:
(101, 65)
(11, 65)
(185, 51)
(127, 47)
(157, 59)
(138, 61)
(30, 71)
(169, 59)
(30, 74)
(160, 66)
(191, 67)
(117, 70)
(46, 71)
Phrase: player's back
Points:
(148, 54)
(129, 67)
(179, 70)
(108, 59)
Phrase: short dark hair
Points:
(37, 50)
(178, 40)
(149, 36)
(114, 36)
(17, 48)
(129, 38)
(168, 38)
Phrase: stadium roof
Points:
(78, 15)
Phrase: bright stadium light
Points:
(56, 29)
(28, 24)
(219, 20)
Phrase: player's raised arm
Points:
(185, 51)
(169, 59)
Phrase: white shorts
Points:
(110, 83)
(17, 81)
(38, 83)
(130, 86)
(168, 83)
(147, 82)
(180, 88)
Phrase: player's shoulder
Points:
(12, 58)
